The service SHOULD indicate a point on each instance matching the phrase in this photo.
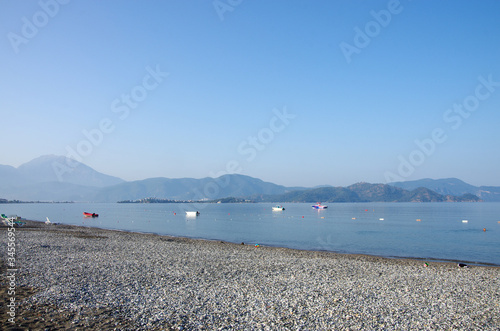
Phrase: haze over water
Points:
(382, 229)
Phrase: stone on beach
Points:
(96, 278)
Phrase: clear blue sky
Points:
(299, 93)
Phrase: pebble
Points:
(159, 282)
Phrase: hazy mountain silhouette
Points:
(56, 178)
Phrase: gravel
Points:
(94, 278)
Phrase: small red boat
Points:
(90, 214)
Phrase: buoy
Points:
(354, 218)
(418, 220)
(484, 229)
(380, 219)
(302, 216)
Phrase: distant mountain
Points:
(452, 186)
(323, 194)
(365, 192)
(9, 176)
(52, 178)
(56, 178)
(377, 192)
(489, 193)
(51, 168)
(50, 191)
(189, 188)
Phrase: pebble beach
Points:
(71, 277)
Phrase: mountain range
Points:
(452, 186)
(56, 178)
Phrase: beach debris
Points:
(47, 221)
(426, 264)
(257, 245)
(463, 265)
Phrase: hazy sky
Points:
(293, 92)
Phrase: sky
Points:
(298, 93)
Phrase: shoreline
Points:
(83, 277)
(422, 259)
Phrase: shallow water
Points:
(384, 229)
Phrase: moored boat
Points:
(192, 213)
(319, 206)
(278, 208)
(90, 214)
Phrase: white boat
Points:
(319, 206)
(278, 208)
(192, 213)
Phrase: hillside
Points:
(52, 178)
(365, 192)
(189, 188)
(56, 178)
(452, 186)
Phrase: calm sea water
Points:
(383, 229)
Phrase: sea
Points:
(460, 232)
